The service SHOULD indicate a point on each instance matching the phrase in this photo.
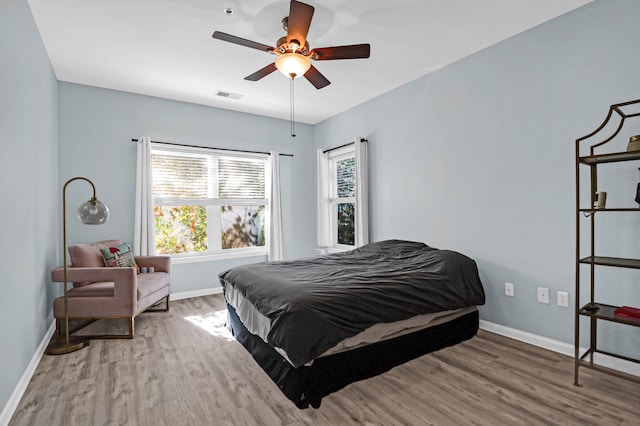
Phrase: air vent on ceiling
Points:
(229, 95)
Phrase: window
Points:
(342, 208)
(208, 202)
(342, 202)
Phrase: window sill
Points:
(210, 257)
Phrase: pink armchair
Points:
(102, 292)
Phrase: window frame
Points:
(332, 202)
(213, 203)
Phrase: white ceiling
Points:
(164, 48)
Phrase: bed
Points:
(317, 324)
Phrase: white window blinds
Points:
(241, 178)
(178, 176)
(188, 176)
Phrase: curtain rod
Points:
(209, 147)
(342, 146)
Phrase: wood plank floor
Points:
(183, 368)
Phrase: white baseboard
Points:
(195, 293)
(21, 387)
(560, 347)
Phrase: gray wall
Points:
(28, 190)
(96, 127)
(479, 157)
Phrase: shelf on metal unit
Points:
(610, 158)
(611, 261)
(607, 312)
(612, 209)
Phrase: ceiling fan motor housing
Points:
(292, 47)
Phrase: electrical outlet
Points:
(508, 289)
(543, 295)
(563, 299)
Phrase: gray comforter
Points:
(314, 303)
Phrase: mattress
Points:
(307, 307)
(259, 325)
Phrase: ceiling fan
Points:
(293, 50)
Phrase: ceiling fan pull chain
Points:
(291, 92)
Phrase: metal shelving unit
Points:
(596, 311)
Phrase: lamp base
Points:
(60, 347)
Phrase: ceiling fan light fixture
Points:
(292, 51)
(293, 64)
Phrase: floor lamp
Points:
(92, 212)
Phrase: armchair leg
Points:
(154, 308)
(88, 321)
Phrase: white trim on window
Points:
(178, 259)
(213, 171)
(335, 189)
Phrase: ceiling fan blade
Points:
(300, 15)
(242, 42)
(262, 72)
(353, 51)
(316, 78)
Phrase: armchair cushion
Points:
(89, 256)
(150, 283)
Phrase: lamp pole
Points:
(92, 212)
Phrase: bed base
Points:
(307, 385)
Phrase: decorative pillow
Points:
(120, 255)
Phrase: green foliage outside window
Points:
(180, 229)
(346, 224)
(183, 229)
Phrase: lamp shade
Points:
(293, 64)
(93, 212)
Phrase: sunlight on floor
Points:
(213, 323)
